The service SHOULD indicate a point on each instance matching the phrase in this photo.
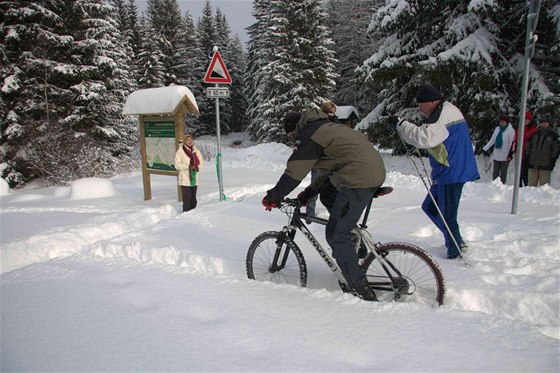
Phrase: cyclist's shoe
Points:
(363, 290)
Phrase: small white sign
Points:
(217, 92)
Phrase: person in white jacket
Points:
(445, 134)
(501, 139)
(188, 163)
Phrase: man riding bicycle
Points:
(349, 169)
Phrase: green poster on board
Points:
(160, 145)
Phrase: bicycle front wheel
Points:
(275, 257)
(408, 274)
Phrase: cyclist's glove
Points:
(271, 200)
(305, 195)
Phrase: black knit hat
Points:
(428, 93)
(290, 121)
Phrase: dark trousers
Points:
(328, 195)
(447, 198)
(344, 215)
(189, 197)
(524, 174)
(310, 208)
(500, 170)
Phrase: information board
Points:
(160, 145)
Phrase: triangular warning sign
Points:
(217, 72)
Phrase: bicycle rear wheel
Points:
(288, 267)
(410, 274)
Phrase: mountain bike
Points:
(396, 271)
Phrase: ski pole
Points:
(428, 185)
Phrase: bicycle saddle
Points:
(382, 191)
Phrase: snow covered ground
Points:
(94, 278)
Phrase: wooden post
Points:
(145, 174)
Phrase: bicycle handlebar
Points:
(294, 202)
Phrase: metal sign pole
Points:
(217, 73)
(219, 155)
(530, 40)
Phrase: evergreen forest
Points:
(67, 67)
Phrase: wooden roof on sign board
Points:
(161, 101)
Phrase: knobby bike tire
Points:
(261, 254)
(420, 280)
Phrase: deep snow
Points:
(94, 278)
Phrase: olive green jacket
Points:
(340, 154)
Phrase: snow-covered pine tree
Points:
(120, 14)
(150, 57)
(206, 30)
(99, 56)
(129, 31)
(32, 44)
(134, 27)
(127, 23)
(185, 54)
(348, 21)
(165, 20)
(206, 39)
(66, 93)
(452, 45)
(234, 57)
(223, 31)
(301, 74)
(170, 30)
(236, 65)
(196, 63)
(543, 96)
(102, 82)
(260, 52)
(547, 58)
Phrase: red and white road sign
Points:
(217, 72)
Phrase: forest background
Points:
(67, 67)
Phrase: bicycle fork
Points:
(280, 242)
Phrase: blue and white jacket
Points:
(445, 135)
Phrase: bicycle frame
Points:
(296, 223)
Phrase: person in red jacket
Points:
(530, 129)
